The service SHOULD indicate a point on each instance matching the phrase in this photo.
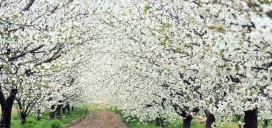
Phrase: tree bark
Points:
(251, 119)
(23, 117)
(187, 121)
(68, 109)
(158, 122)
(161, 122)
(22, 113)
(63, 110)
(210, 119)
(6, 106)
(58, 112)
(6, 117)
(72, 108)
(39, 114)
(164, 123)
(52, 113)
(265, 124)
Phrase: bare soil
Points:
(101, 119)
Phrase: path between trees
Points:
(100, 119)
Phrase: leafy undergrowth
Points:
(45, 122)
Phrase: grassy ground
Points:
(137, 124)
(45, 122)
(197, 122)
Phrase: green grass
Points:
(197, 122)
(75, 114)
(137, 124)
(45, 122)
(152, 124)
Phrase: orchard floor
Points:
(101, 119)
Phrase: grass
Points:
(137, 124)
(197, 122)
(45, 122)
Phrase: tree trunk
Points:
(58, 112)
(39, 114)
(52, 112)
(210, 119)
(63, 110)
(72, 108)
(239, 120)
(68, 109)
(158, 122)
(164, 123)
(265, 124)
(161, 122)
(6, 117)
(187, 121)
(52, 115)
(6, 105)
(251, 119)
(23, 117)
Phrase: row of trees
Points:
(42, 54)
(153, 58)
(177, 57)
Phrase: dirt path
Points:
(101, 119)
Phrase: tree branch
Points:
(24, 53)
(28, 5)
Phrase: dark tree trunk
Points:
(210, 119)
(52, 113)
(22, 113)
(63, 110)
(58, 112)
(6, 117)
(164, 123)
(161, 122)
(68, 109)
(239, 120)
(187, 121)
(265, 124)
(158, 122)
(23, 117)
(6, 105)
(72, 108)
(251, 119)
(39, 114)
